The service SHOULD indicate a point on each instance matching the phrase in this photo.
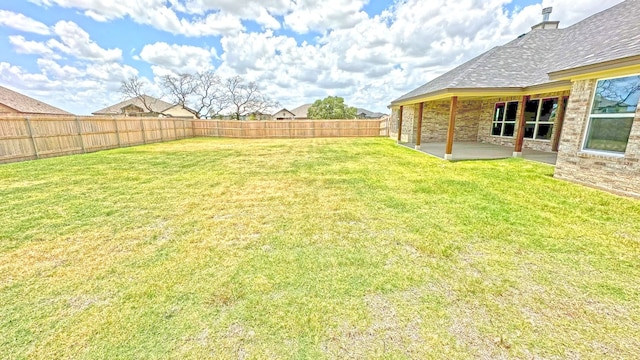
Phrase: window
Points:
(614, 106)
(540, 116)
(504, 119)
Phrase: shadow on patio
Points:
(482, 151)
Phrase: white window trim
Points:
(583, 148)
(503, 121)
(537, 121)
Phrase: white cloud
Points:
(178, 58)
(24, 46)
(75, 41)
(22, 23)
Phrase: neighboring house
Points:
(136, 107)
(366, 114)
(572, 90)
(12, 102)
(299, 113)
(259, 116)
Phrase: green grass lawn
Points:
(324, 248)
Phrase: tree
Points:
(202, 92)
(246, 98)
(133, 88)
(331, 107)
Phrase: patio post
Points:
(450, 131)
(400, 125)
(558, 127)
(419, 135)
(522, 122)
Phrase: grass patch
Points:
(323, 248)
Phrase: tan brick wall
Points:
(408, 126)
(486, 118)
(616, 174)
(435, 120)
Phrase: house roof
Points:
(282, 110)
(24, 104)
(155, 104)
(301, 111)
(527, 61)
(369, 114)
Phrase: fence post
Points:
(161, 136)
(79, 127)
(115, 122)
(175, 130)
(144, 136)
(33, 140)
(184, 130)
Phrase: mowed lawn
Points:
(323, 248)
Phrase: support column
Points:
(557, 131)
(448, 153)
(522, 122)
(400, 124)
(419, 132)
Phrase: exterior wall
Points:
(619, 174)
(408, 126)
(179, 112)
(486, 119)
(435, 120)
(409, 123)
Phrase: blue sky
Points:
(73, 54)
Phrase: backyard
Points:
(311, 248)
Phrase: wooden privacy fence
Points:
(287, 128)
(35, 137)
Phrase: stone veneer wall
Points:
(408, 126)
(619, 174)
(435, 120)
(486, 119)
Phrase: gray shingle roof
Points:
(24, 104)
(301, 111)
(369, 114)
(527, 61)
(156, 105)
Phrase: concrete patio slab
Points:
(482, 151)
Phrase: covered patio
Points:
(481, 151)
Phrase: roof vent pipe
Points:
(545, 13)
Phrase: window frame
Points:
(537, 121)
(633, 115)
(503, 121)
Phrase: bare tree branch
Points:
(133, 88)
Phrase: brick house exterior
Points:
(567, 101)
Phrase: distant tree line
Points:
(205, 94)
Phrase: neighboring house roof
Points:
(298, 113)
(283, 110)
(369, 114)
(155, 104)
(301, 111)
(527, 61)
(24, 104)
